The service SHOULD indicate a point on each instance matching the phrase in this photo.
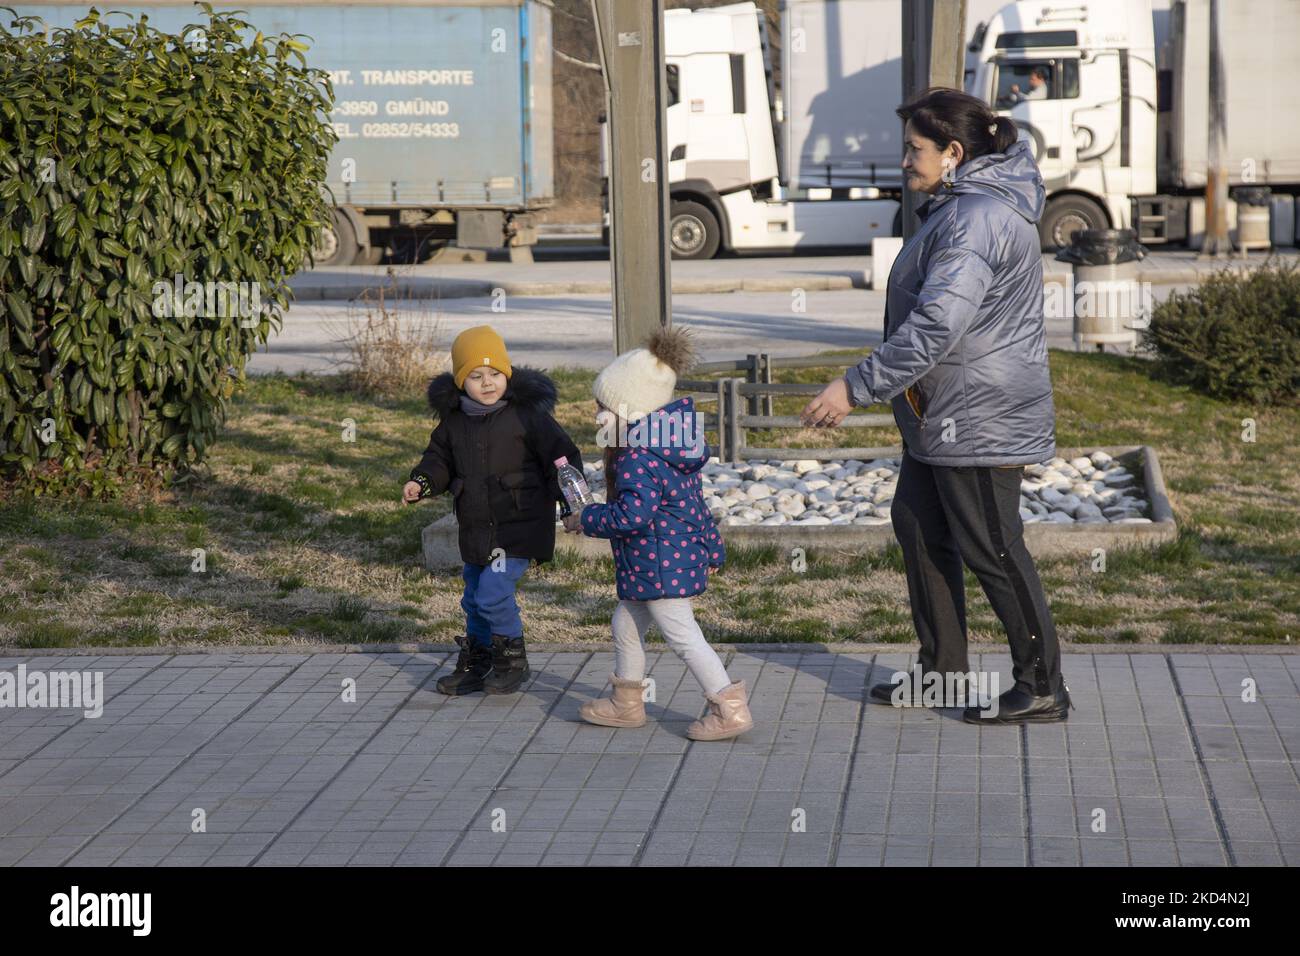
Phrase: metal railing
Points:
(747, 403)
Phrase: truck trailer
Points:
(442, 109)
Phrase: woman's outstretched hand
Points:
(830, 407)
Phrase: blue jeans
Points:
(489, 600)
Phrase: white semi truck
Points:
(755, 168)
(1111, 93)
(1119, 115)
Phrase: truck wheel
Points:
(1064, 216)
(693, 231)
(336, 245)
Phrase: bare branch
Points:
(562, 12)
(586, 65)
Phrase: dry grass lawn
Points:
(303, 539)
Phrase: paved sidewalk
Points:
(287, 772)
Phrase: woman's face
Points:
(925, 164)
(485, 385)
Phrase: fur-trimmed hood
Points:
(527, 388)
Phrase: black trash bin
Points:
(1110, 305)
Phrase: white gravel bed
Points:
(1095, 489)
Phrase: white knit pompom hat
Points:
(642, 380)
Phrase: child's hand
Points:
(411, 492)
(573, 523)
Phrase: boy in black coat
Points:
(495, 449)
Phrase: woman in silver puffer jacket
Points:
(964, 366)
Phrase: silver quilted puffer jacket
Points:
(964, 361)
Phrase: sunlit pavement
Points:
(271, 759)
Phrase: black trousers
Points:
(944, 516)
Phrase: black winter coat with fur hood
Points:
(499, 467)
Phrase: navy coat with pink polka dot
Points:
(662, 535)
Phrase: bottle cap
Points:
(559, 462)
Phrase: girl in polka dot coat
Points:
(664, 539)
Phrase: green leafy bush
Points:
(156, 192)
(1234, 336)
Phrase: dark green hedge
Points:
(1234, 337)
(130, 157)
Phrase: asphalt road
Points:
(576, 329)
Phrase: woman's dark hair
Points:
(943, 115)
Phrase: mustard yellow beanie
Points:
(475, 348)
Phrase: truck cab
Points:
(1079, 81)
(733, 185)
(719, 124)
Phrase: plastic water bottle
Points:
(574, 486)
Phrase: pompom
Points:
(673, 347)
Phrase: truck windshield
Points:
(1024, 80)
(1035, 80)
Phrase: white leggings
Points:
(676, 622)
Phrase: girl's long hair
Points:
(611, 454)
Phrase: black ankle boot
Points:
(473, 664)
(1017, 706)
(509, 665)
(884, 693)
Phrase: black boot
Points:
(884, 693)
(473, 664)
(509, 665)
(1017, 706)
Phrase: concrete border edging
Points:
(573, 647)
(457, 287)
(461, 288)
